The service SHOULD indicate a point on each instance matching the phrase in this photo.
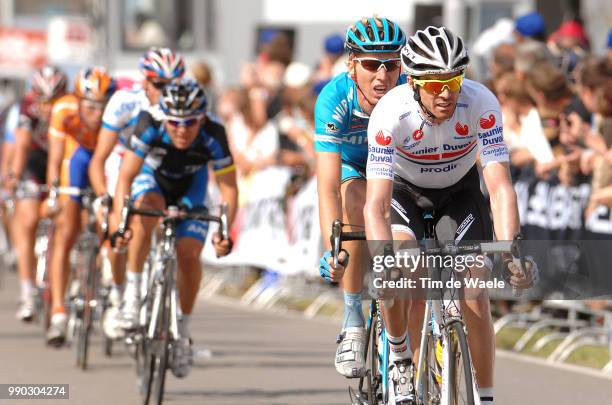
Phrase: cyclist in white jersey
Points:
(341, 117)
(159, 66)
(423, 140)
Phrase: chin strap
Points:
(354, 77)
(416, 91)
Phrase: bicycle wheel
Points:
(156, 349)
(460, 386)
(431, 375)
(88, 296)
(159, 377)
(367, 390)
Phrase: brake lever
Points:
(335, 241)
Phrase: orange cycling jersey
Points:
(66, 123)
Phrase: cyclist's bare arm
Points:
(23, 140)
(55, 157)
(328, 166)
(503, 200)
(229, 192)
(107, 139)
(130, 167)
(377, 210)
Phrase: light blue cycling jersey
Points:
(340, 124)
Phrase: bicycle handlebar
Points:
(172, 212)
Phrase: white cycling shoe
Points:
(401, 386)
(349, 355)
(56, 335)
(112, 321)
(182, 357)
(25, 312)
(130, 312)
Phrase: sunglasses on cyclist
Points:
(158, 84)
(182, 123)
(437, 86)
(373, 64)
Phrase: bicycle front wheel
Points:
(429, 389)
(459, 387)
(88, 298)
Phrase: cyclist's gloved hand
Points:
(515, 277)
(327, 270)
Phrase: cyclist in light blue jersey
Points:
(341, 121)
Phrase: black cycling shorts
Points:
(36, 166)
(460, 211)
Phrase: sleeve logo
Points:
(382, 139)
(331, 128)
(463, 130)
(417, 135)
(486, 123)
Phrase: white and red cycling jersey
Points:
(402, 142)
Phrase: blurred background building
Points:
(225, 33)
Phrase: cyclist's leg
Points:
(407, 226)
(353, 191)
(146, 193)
(25, 222)
(67, 227)
(469, 220)
(349, 355)
(116, 259)
(190, 236)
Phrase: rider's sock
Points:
(184, 329)
(58, 310)
(398, 348)
(133, 283)
(486, 396)
(27, 289)
(353, 313)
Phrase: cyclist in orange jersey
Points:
(75, 122)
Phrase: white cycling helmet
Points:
(434, 50)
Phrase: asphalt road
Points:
(255, 358)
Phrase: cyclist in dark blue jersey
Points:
(167, 164)
(342, 113)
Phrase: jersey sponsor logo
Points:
(358, 126)
(331, 128)
(417, 135)
(342, 109)
(355, 139)
(405, 115)
(444, 169)
(462, 146)
(467, 221)
(382, 139)
(377, 149)
(487, 122)
(372, 158)
(462, 105)
(432, 149)
(409, 146)
(491, 132)
(497, 150)
(493, 141)
(462, 130)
